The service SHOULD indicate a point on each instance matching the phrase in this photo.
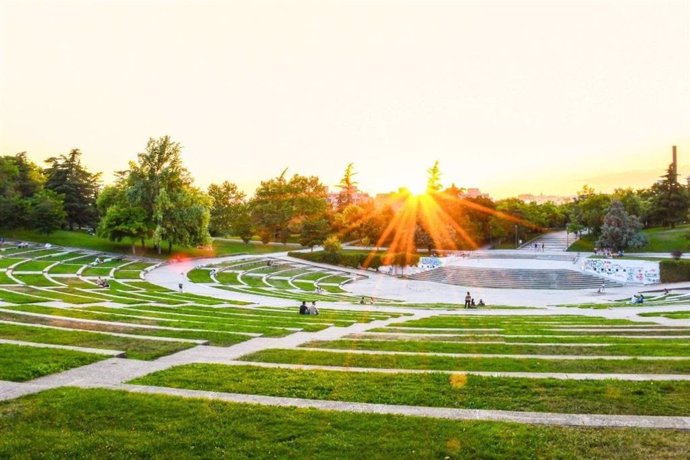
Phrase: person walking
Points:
(468, 300)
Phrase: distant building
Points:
(358, 197)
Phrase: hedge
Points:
(674, 271)
(357, 260)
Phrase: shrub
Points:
(357, 259)
(674, 271)
(332, 244)
(676, 255)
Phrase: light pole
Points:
(516, 240)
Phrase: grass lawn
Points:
(659, 239)
(669, 314)
(76, 423)
(437, 390)
(649, 349)
(19, 364)
(134, 348)
(325, 358)
(84, 240)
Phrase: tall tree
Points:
(120, 220)
(348, 188)
(47, 213)
(433, 183)
(226, 204)
(66, 176)
(156, 183)
(670, 200)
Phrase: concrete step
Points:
(513, 278)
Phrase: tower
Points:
(675, 162)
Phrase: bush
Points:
(676, 255)
(674, 271)
(332, 244)
(357, 259)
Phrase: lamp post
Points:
(516, 239)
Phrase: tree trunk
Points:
(134, 248)
(169, 247)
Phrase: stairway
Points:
(504, 278)
(554, 241)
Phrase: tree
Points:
(620, 230)
(66, 176)
(226, 201)
(242, 225)
(433, 183)
(280, 206)
(589, 210)
(670, 200)
(47, 213)
(187, 221)
(20, 181)
(160, 184)
(422, 239)
(348, 188)
(120, 220)
(314, 232)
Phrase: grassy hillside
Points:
(660, 239)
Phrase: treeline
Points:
(154, 201)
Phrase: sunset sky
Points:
(511, 96)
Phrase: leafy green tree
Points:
(589, 210)
(20, 180)
(280, 206)
(159, 184)
(620, 230)
(670, 200)
(119, 220)
(66, 176)
(226, 203)
(242, 225)
(47, 213)
(314, 232)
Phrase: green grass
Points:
(651, 349)
(436, 390)
(65, 269)
(8, 295)
(4, 279)
(19, 363)
(659, 239)
(9, 261)
(134, 348)
(35, 280)
(84, 240)
(598, 366)
(214, 338)
(77, 423)
(32, 266)
(199, 276)
(669, 314)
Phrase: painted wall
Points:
(624, 271)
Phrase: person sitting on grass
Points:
(312, 308)
(472, 304)
(303, 309)
(481, 303)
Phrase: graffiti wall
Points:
(624, 271)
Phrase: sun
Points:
(416, 187)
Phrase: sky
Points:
(509, 96)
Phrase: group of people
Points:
(470, 303)
(537, 247)
(102, 282)
(305, 309)
(637, 298)
(366, 300)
